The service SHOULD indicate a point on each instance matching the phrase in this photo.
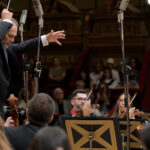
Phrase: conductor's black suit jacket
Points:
(20, 137)
(10, 72)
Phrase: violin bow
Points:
(132, 99)
(89, 94)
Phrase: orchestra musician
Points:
(81, 106)
(120, 110)
(39, 112)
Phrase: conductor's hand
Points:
(6, 14)
(55, 36)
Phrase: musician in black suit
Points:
(39, 113)
(10, 73)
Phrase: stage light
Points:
(148, 1)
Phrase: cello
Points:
(14, 113)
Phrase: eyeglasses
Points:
(80, 99)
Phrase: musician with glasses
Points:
(81, 106)
(80, 103)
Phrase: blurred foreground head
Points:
(50, 138)
(40, 109)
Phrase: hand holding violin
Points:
(87, 109)
(132, 112)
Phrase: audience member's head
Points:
(50, 138)
(103, 89)
(134, 63)
(41, 109)
(110, 63)
(32, 61)
(4, 144)
(107, 74)
(58, 94)
(83, 75)
(145, 137)
(56, 61)
(80, 84)
(99, 67)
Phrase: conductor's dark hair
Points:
(50, 138)
(41, 109)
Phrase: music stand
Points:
(135, 141)
(93, 133)
(146, 115)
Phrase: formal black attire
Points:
(10, 72)
(20, 137)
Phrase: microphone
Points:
(23, 17)
(123, 5)
(22, 21)
(38, 8)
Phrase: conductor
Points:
(10, 73)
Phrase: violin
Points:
(132, 113)
(94, 106)
(139, 113)
(14, 113)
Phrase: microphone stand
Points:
(26, 67)
(126, 70)
(38, 69)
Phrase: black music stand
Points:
(135, 142)
(93, 133)
(146, 115)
